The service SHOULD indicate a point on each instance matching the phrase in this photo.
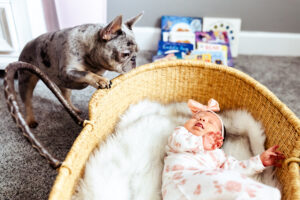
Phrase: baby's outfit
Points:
(192, 173)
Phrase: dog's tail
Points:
(14, 108)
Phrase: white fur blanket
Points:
(128, 166)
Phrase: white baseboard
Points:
(6, 59)
(269, 43)
(250, 43)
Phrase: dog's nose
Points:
(133, 58)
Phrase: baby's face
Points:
(203, 123)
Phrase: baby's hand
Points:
(271, 157)
(212, 140)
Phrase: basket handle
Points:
(13, 107)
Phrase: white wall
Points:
(31, 18)
(256, 15)
(25, 21)
(75, 12)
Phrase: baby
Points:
(195, 167)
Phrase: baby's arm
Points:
(272, 157)
(247, 167)
(182, 140)
(256, 164)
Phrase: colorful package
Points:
(168, 56)
(165, 47)
(182, 37)
(180, 29)
(181, 24)
(201, 46)
(203, 57)
(217, 57)
(215, 37)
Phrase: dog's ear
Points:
(109, 31)
(133, 20)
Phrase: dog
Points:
(77, 57)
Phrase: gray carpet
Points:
(25, 175)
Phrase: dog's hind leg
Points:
(27, 83)
(67, 94)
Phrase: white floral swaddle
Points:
(190, 172)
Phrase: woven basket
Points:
(177, 81)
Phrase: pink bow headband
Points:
(212, 106)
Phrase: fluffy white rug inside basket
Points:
(129, 164)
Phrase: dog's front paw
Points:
(104, 83)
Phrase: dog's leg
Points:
(67, 94)
(86, 77)
(27, 83)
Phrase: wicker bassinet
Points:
(177, 81)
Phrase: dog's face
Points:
(116, 48)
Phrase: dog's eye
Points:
(119, 32)
(125, 55)
(129, 43)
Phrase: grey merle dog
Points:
(71, 58)
(77, 57)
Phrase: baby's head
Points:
(204, 122)
(204, 119)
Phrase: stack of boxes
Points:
(183, 38)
